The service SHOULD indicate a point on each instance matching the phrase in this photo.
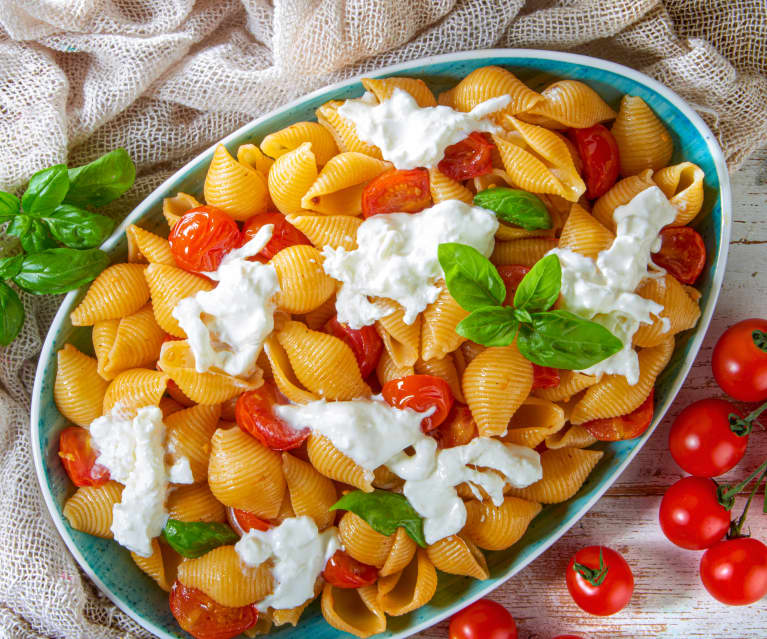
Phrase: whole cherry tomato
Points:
(284, 235)
(740, 361)
(397, 191)
(343, 571)
(79, 458)
(203, 618)
(599, 152)
(701, 439)
(613, 429)
(545, 377)
(242, 521)
(682, 253)
(734, 571)
(471, 157)
(421, 392)
(690, 514)
(457, 430)
(512, 275)
(599, 580)
(255, 415)
(201, 238)
(484, 619)
(366, 343)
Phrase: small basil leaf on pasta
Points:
(10, 266)
(32, 233)
(103, 180)
(539, 288)
(59, 270)
(384, 512)
(9, 206)
(78, 228)
(470, 277)
(561, 339)
(11, 314)
(46, 190)
(194, 539)
(489, 326)
(515, 207)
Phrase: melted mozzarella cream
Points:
(132, 449)
(298, 552)
(410, 136)
(373, 433)
(396, 258)
(226, 327)
(603, 290)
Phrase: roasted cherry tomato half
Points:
(613, 429)
(366, 343)
(545, 377)
(690, 514)
(512, 275)
(201, 238)
(740, 361)
(682, 253)
(254, 413)
(283, 235)
(203, 618)
(599, 153)
(343, 571)
(484, 619)
(457, 430)
(471, 157)
(397, 191)
(734, 571)
(421, 392)
(599, 580)
(79, 458)
(242, 521)
(701, 440)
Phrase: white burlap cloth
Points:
(166, 78)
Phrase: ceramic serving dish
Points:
(111, 567)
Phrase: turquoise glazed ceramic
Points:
(111, 567)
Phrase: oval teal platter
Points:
(110, 566)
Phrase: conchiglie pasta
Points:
(568, 104)
(135, 388)
(89, 510)
(195, 502)
(188, 434)
(439, 319)
(311, 493)
(584, 234)
(168, 286)
(643, 140)
(445, 369)
(353, 610)
(317, 318)
(148, 247)
(304, 285)
(409, 589)
(285, 140)
(533, 421)
(291, 176)
(387, 369)
(444, 188)
(574, 436)
(383, 88)
(250, 155)
(570, 383)
(498, 527)
(682, 184)
(402, 341)
(524, 252)
(233, 187)
(362, 542)
(174, 207)
(679, 312)
(400, 554)
(118, 291)
(344, 131)
(622, 192)
(283, 374)
(506, 232)
(79, 389)
(332, 463)
(290, 615)
(136, 343)
(335, 231)
(491, 82)
(456, 555)
(103, 336)
(153, 566)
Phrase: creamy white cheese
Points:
(373, 433)
(226, 327)
(410, 136)
(298, 552)
(396, 258)
(603, 290)
(132, 449)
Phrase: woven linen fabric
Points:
(166, 78)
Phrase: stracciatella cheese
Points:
(603, 289)
(396, 258)
(226, 327)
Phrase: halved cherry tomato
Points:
(397, 191)
(690, 514)
(613, 429)
(242, 521)
(457, 430)
(366, 343)
(484, 619)
(79, 458)
(682, 253)
(421, 392)
(255, 415)
(343, 571)
(283, 235)
(599, 580)
(740, 361)
(599, 152)
(734, 571)
(471, 157)
(201, 238)
(203, 618)
(512, 275)
(545, 377)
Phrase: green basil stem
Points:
(726, 494)
(737, 525)
(592, 575)
(742, 426)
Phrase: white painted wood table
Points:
(669, 600)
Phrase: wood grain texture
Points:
(669, 600)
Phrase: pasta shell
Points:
(285, 140)
(353, 610)
(233, 187)
(523, 252)
(387, 369)
(643, 141)
(332, 463)
(174, 207)
(311, 493)
(335, 231)
(570, 383)
(456, 555)
(150, 247)
(568, 104)
(188, 434)
(289, 616)
(400, 554)
(410, 589)
(343, 131)
(402, 341)
(362, 542)
(386, 479)
(682, 184)
(679, 310)
(622, 192)
(283, 374)
(291, 176)
(498, 527)
(118, 291)
(250, 155)
(103, 336)
(79, 389)
(438, 336)
(89, 510)
(445, 369)
(136, 343)
(153, 565)
(317, 318)
(383, 88)
(168, 286)
(584, 234)
(492, 82)
(534, 420)
(469, 350)
(571, 437)
(134, 389)
(444, 188)
(304, 285)
(195, 502)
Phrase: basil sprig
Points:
(385, 512)
(515, 207)
(555, 338)
(194, 539)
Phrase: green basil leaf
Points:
(59, 270)
(46, 190)
(514, 206)
(194, 539)
(11, 314)
(78, 228)
(539, 288)
(522, 316)
(471, 278)
(32, 233)
(103, 180)
(561, 339)
(385, 512)
(10, 266)
(9, 206)
(489, 326)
